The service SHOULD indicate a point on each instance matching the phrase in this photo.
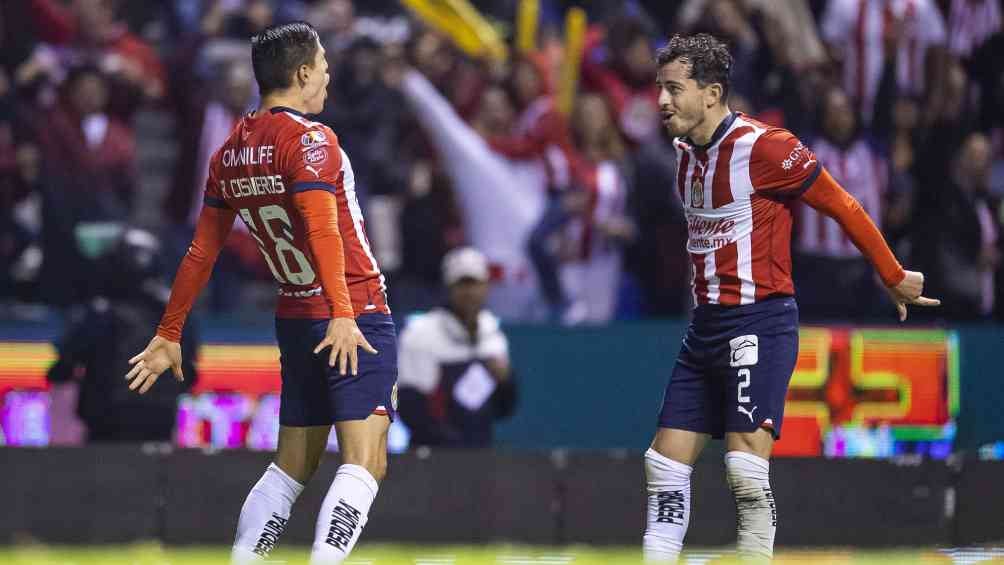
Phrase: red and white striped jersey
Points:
(864, 174)
(607, 192)
(269, 156)
(970, 23)
(737, 192)
(856, 29)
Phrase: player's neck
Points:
(284, 100)
(702, 134)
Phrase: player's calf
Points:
(668, 507)
(756, 513)
(264, 515)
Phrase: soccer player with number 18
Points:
(738, 179)
(292, 185)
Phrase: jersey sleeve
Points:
(312, 160)
(831, 199)
(781, 166)
(211, 232)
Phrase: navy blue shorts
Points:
(314, 394)
(733, 370)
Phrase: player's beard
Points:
(683, 123)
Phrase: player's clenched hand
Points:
(152, 361)
(909, 291)
(344, 337)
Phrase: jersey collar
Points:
(277, 109)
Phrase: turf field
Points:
(377, 554)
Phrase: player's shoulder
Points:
(772, 141)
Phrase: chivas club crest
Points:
(697, 193)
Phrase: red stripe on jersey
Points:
(760, 245)
(681, 176)
(727, 269)
(700, 282)
(721, 186)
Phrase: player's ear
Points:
(713, 94)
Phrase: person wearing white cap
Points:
(454, 375)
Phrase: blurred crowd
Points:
(110, 111)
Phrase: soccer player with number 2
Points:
(292, 185)
(738, 179)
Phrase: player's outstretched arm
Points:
(904, 287)
(164, 350)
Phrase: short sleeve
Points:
(313, 160)
(213, 195)
(781, 165)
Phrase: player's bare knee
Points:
(368, 459)
(759, 442)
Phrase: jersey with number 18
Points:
(269, 157)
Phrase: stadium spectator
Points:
(596, 233)
(862, 34)
(619, 63)
(500, 199)
(970, 24)
(105, 331)
(958, 226)
(87, 32)
(95, 150)
(430, 226)
(20, 210)
(825, 256)
(454, 372)
(541, 134)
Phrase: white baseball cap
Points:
(465, 263)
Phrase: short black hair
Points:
(278, 51)
(709, 58)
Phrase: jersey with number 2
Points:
(270, 156)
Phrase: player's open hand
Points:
(909, 291)
(344, 339)
(152, 361)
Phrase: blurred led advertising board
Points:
(854, 393)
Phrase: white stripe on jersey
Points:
(741, 184)
(712, 278)
(349, 184)
(710, 266)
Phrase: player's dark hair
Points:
(278, 51)
(708, 57)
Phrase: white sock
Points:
(264, 515)
(343, 514)
(756, 515)
(668, 507)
